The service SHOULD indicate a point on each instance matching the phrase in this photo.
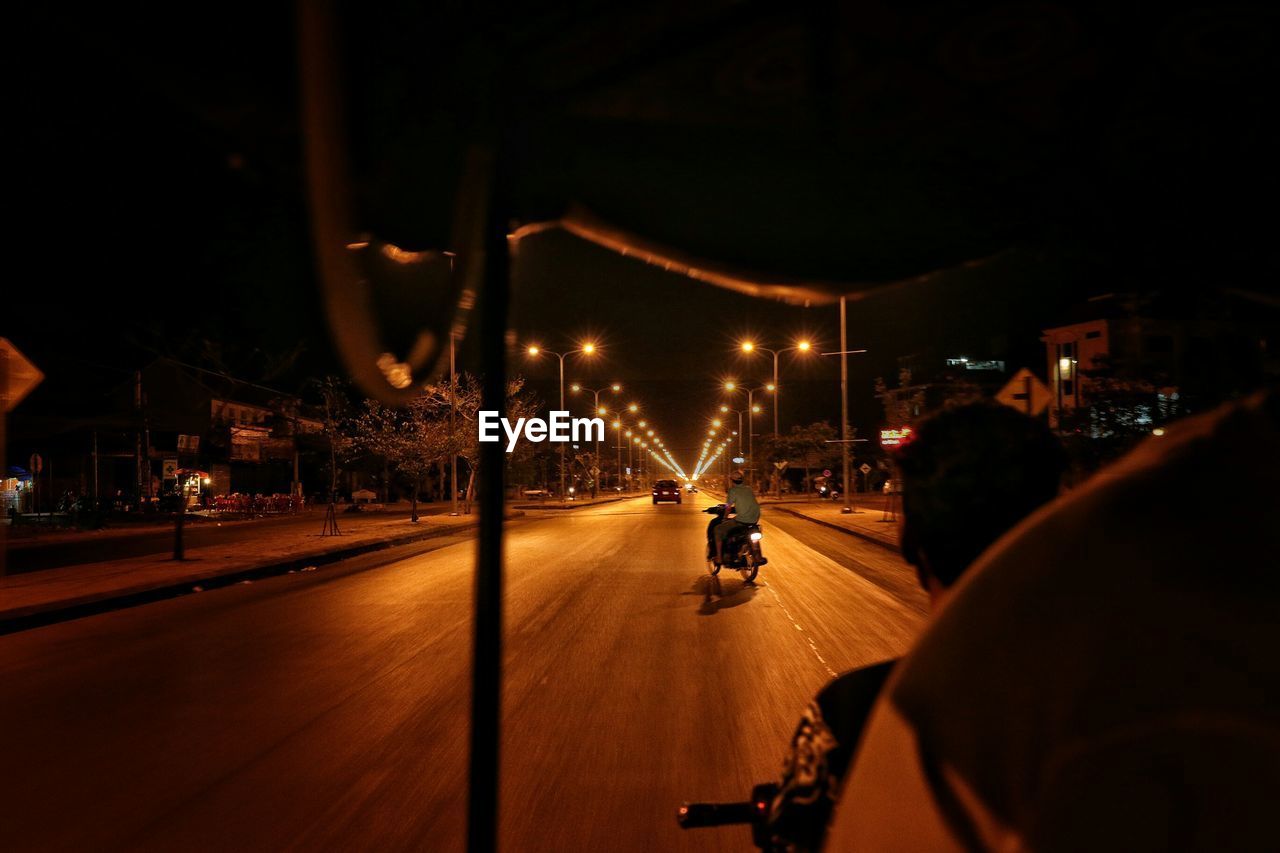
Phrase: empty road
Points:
(329, 710)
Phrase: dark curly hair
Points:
(971, 472)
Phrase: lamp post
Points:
(844, 353)
(585, 349)
(752, 409)
(751, 346)
(453, 412)
(600, 411)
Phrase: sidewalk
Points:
(54, 594)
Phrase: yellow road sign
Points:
(1026, 393)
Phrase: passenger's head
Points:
(969, 473)
(736, 477)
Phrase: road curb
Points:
(864, 536)
(35, 615)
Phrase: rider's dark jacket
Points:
(821, 747)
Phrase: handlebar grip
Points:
(691, 815)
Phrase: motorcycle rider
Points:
(741, 503)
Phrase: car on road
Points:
(666, 490)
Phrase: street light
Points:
(615, 388)
(752, 409)
(800, 346)
(586, 349)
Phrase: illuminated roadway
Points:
(330, 709)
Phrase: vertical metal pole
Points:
(137, 448)
(96, 494)
(486, 668)
(595, 461)
(453, 435)
(563, 494)
(751, 444)
(777, 394)
(844, 405)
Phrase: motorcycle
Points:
(755, 812)
(741, 547)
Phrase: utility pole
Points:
(844, 405)
(844, 352)
(453, 412)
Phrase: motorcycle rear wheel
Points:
(752, 568)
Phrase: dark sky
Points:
(161, 206)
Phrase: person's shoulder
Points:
(849, 697)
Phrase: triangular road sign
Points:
(1026, 393)
(18, 375)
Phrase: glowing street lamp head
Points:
(730, 386)
(636, 439)
(649, 433)
(771, 387)
(602, 411)
(534, 350)
(716, 422)
(755, 410)
(642, 424)
(748, 346)
(628, 433)
(804, 346)
(724, 408)
(711, 432)
(633, 408)
(616, 387)
(617, 424)
(588, 349)
(575, 387)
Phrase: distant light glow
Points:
(533, 350)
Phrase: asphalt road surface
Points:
(329, 710)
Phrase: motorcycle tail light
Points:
(757, 536)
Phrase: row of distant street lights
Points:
(711, 451)
(642, 438)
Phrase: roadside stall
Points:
(193, 485)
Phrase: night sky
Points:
(161, 205)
